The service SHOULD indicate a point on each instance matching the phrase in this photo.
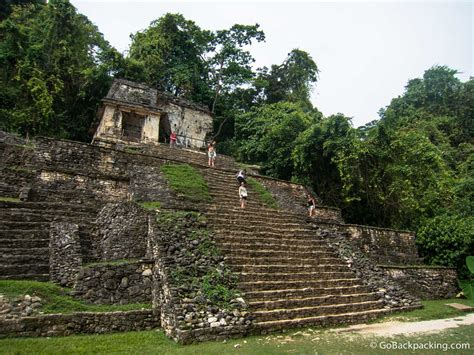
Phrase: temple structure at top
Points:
(136, 113)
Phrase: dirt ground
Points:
(406, 328)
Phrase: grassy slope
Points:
(260, 190)
(303, 342)
(187, 181)
(56, 299)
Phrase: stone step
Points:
(45, 206)
(24, 259)
(24, 234)
(263, 239)
(24, 269)
(24, 243)
(252, 229)
(297, 293)
(236, 235)
(293, 246)
(24, 226)
(69, 196)
(250, 222)
(220, 206)
(237, 218)
(326, 320)
(249, 268)
(304, 312)
(232, 192)
(250, 211)
(34, 277)
(15, 225)
(283, 285)
(233, 203)
(332, 299)
(281, 254)
(220, 174)
(238, 260)
(300, 276)
(39, 216)
(24, 251)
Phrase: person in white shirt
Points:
(242, 194)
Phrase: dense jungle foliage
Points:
(411, 169)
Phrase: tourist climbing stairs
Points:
(288, 272)
(24, 235)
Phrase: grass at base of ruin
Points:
(306, 341)
(433, 309)
(56, 299)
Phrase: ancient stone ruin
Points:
(76, 216)
(136, 113)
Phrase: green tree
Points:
(446, 240)
(6, 6)
(318, 155)
(230, 69)
(230, 63)
(292, 81)
(266, 135)
(55, 70)
(172, 54)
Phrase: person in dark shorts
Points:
(241, 177)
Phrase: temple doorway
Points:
(165, 128)
(132, 126)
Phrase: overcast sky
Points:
(366, 51)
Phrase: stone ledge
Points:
(431, 267)
(79, 323)
(205, 334)
(425, 282)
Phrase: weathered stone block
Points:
(65, 257)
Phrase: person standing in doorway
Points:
(173, 139)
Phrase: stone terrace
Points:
(24, 233)
(290, 272)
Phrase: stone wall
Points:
(427, 283)
(382, 245)
(48, 325)
(110, 175)
(189, 276)
(147, 183)
(65, 257)
(293, 197)
(122, 283)
(75, 187)
(14, 173)
(121, 231)
(394, 295)
(70, 156)
(191, 125)
(385, 246)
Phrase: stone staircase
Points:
(289, 274)
(185, 155)
(24, 235)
